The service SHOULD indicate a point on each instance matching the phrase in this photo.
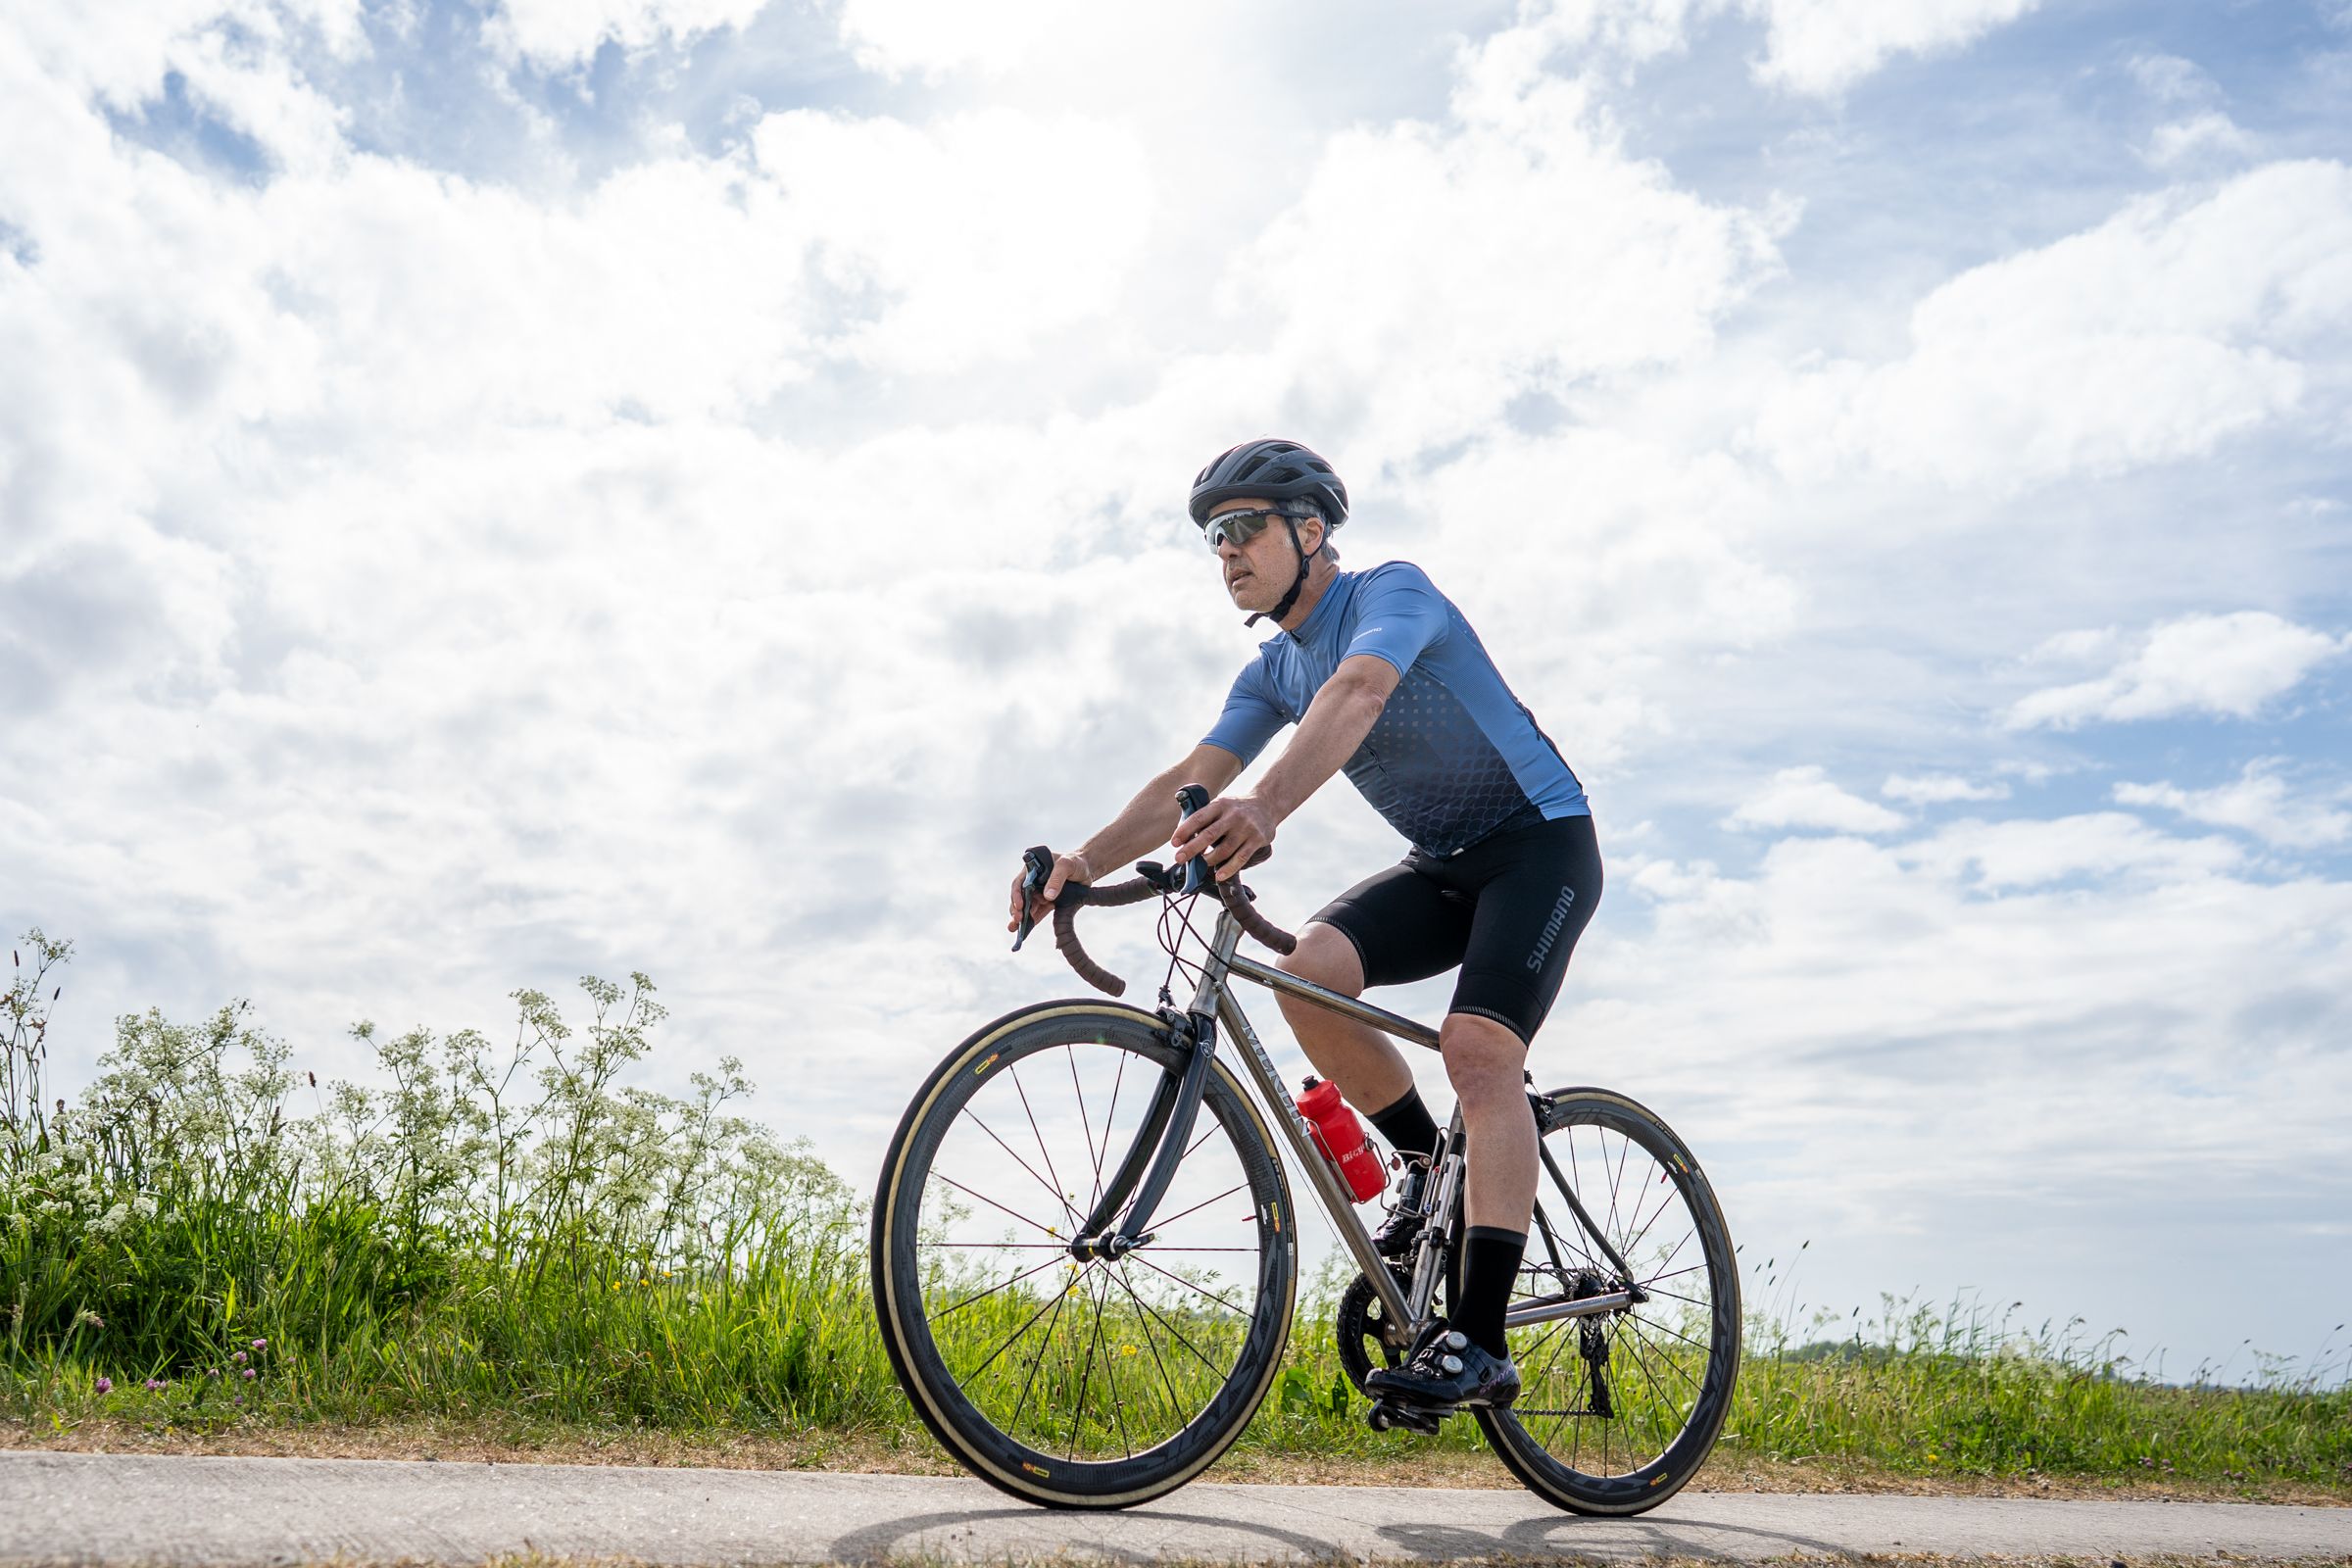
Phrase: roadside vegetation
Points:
(206, 1239)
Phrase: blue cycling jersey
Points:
(1453, 756)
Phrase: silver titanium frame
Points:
(1213, 994)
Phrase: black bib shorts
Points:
(1508, 910)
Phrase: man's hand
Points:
(1066, 868)
(1229, 832)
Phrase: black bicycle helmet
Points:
(1278, 470)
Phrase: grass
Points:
(511, 1238)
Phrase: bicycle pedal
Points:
(1388, 1414)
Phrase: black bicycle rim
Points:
(1078, 1384)
(1616, 1412)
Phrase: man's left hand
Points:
(1228, 832)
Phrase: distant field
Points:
(508, 1239)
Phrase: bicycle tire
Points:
(1693, 1319)
(971, 1424)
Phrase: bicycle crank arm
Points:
(1556, 1308)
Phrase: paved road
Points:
(148, 1509)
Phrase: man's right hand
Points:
(1066, 868)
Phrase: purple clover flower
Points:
(261, 1344)
(249, 1374)
(239, 1359)
(106, 1385)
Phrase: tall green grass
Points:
(509, 1231)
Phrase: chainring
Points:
(1361, 1323)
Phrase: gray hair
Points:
(1303, 509)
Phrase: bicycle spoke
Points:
(1175, 1405)
(1204, 1203)
(1042, 1310)
(1093, 1343)
(1013, 1070)
(993, 1204)
(1174, 1332)
(1110, 1370)
(1110, 1118)
(990, 1291)
(1025, 1165)
(1086, 1124)
(1060, 1302)
(1189, 1285)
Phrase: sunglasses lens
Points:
(1239, 527)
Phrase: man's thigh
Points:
(1529, 915)
(1404, 925)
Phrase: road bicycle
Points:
(1086, 1286)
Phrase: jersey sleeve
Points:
(1401, 615)
(1251, 717)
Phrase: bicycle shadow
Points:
(877, 1543)
(1556, 1536)
(1559, 1536)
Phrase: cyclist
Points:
(1387, 682)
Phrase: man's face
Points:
(1258, 573)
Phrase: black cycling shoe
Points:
(1445, 1371)
(1403, 1228)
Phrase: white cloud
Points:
(2154, 337)
(1824, 46)
(967, 227)
(1805, 797)
(2170, 1020)
(2211, 132)
(2226, 665)
(931, 37)
(2100, 844)
(1937, 789)
(563, 33)
(2256, 802)
(1429, 272)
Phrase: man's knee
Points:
(1484, 1057)
(1326, 957)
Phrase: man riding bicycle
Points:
(1387, 682)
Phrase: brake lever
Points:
(1195, 873)
(1040, 861)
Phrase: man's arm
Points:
(1230, 830)
(1142, 827)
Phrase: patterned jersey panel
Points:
(1452, 756)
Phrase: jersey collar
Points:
(1326, 609)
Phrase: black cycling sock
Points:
(1408, 1125)
(1491, 1265)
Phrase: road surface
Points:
(176, 1510)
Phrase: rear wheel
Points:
(1088, 1384)
(1616, 1411)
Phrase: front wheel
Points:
(1088, 1384)
(1616, 1411)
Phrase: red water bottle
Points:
(1342, 1139)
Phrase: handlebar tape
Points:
(1236, 898)
(1075, 896)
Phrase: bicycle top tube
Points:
(1347, 1007)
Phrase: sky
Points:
(498, 492)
